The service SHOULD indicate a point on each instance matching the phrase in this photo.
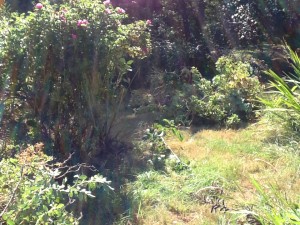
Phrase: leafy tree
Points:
(196, 32)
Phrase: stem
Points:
(178, 159)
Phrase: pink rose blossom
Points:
(39, 6)
(62, 15)
(149, 22)
(79, 22)
(120, 10)
(107, 3)
(107, 11)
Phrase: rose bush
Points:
(68, 61)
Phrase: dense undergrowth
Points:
(197, 141)
(219, 167)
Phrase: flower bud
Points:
(39, 6)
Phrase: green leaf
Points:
(60, 206)
(129, 62)
(82, 177)
(10, 222)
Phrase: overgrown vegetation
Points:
(216, 187)
(165, 98)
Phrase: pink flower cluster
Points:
(63, 16)
(82, 23)
(107, 11)
(120, 10)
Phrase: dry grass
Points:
(229, 157)
(236, 156)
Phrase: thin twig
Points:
(75, 168)
(63, 164)
(168, 147)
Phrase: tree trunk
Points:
(182, 9)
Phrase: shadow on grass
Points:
(120, 166)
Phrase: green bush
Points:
(30, 194)
(68, 61)
(233, 121)
(153, 140)
(227, 99)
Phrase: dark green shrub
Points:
(232, 92)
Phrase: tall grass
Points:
(285, 90)
(276, 208)
(284, 101)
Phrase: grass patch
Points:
(225, 160)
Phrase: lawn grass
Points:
(224, 160)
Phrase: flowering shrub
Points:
(68, 62)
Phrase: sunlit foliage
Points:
(31, 194)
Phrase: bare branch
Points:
(73, 169)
